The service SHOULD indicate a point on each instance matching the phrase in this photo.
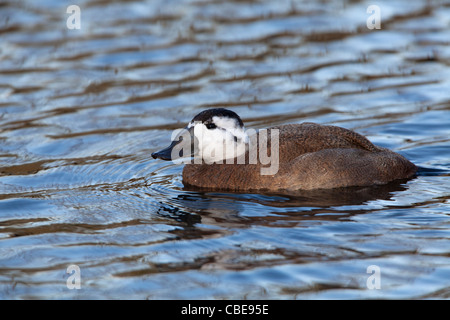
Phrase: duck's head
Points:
(212, 136)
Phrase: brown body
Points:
(311, 156)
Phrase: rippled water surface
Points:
(82, 110)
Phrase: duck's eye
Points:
(211, 126)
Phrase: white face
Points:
(227, 140)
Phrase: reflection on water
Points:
(82, 110)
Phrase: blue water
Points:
(82, 110)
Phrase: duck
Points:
(220, 154)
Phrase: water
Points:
(82, 110)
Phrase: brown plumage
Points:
(312, 156)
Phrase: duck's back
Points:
(298, 139)
(311, 156)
